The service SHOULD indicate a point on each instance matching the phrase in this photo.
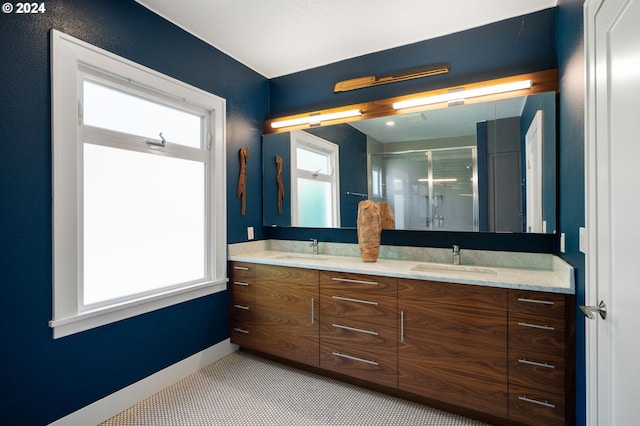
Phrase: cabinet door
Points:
(451, 348)
(286, 313)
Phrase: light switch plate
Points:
(583, 239)
(250, 232)
(562, 242)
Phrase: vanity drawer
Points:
(537, 335)
(535, 407)
(286, 274)
(359, 307)
(363, 284)
(544, 305)
(538, 371)
(242, 270)
(374, 367)
(358, 336)
(472, 296)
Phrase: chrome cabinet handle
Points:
(240, 283)
(241, 330)
(346, 299)
(589, 310)
(402, 326)
(359, 330)
(535, 401)
(537, 364)
(313, 314)
(246, 308)
(241, 268)
(543, 302)
(355, 358)
(346, 280)
(543, 327)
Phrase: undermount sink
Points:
(301, 257)
(440, 267)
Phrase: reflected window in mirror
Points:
(314, 181)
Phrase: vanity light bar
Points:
(316, 119)
(458, 95)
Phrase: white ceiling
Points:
(280, 37)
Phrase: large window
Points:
(314, 181)
(139, 189)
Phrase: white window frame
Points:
(70, 59)
(315, 143)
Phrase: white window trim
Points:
(69, 55)
(301, 138)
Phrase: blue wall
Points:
(571, 97)
(42, 379)
(513, 46)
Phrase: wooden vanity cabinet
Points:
(453, 344)
(540, 343)
(503, 352)
(358, 326)
(282, 315)
(242, 302)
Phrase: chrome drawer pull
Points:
(355, 358)
(241, 268)
(533, 401)
(241, 330)
(346, 280)
(402, 326)
(543, 327)
(542, 302)
(240, 283)
(246, 308)
(344, 327)
(537, 364)
(313, 309)
(346, 299)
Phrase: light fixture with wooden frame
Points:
(490, 90)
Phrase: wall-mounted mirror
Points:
(486, 167)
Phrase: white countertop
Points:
(558, 278)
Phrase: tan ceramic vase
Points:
(388, 218)
(369, 229)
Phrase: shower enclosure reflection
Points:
(428, 189)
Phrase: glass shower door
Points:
(453, 189)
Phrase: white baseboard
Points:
(119, 401)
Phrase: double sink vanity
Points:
(491, 337)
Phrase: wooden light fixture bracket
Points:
(370, 80)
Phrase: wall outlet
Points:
(583, 239)
(250, 232)
(562, 242)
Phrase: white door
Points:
(613, 210)
(533, 159)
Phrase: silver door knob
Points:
(589, 310)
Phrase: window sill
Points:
(95, 318)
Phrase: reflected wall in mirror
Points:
(486, 167)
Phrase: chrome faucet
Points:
(314, 246)
(456, 254)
